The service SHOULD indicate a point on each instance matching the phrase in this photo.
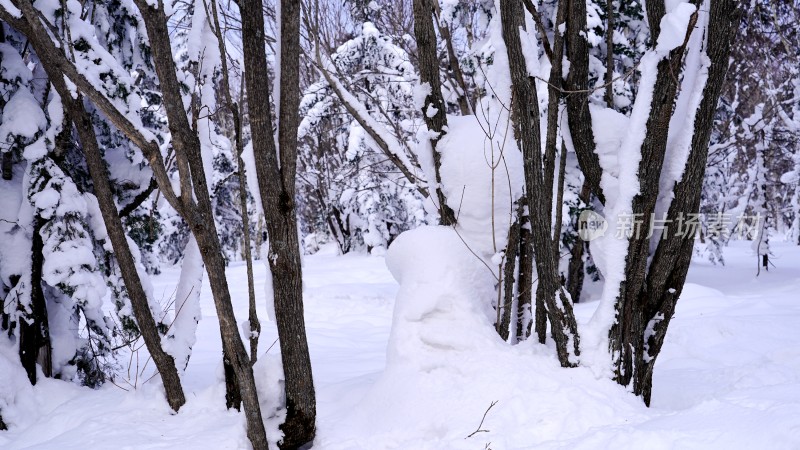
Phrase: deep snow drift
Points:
(728, 377)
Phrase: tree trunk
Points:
(577, 82)
(34, 335)
(429, 73)
(626, 334)
(8, 165)
(238, 132)
(609, 94)
(576, 270)
(525, 118)
(525, 312)
(276, 180)
(509, 280)
(648, 297)
(119, 241)
(200, 216)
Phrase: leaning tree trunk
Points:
(525, 118)
(276, 181)
(53, 61)
(200, 216)
(119, 241)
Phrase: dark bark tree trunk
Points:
(525, 312)
(34, 330)
(119, 241)
(8, 165)
(525, 118)
(276, 179)
(626, 334)
(609, 94)
(670, 262)
(238, 132)
(577, 83)
(8, 157)
(576, 270)
(649, 294)
(510, 267)
(429, 73)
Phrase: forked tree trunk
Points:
(656, 299)
(276, 181)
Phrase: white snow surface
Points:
(728, 376)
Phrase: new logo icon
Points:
(591, 225)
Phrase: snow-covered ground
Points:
(728, 377)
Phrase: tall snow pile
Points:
(446, 365)
(481, 177)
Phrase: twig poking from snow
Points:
(479, 430)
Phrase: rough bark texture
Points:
(609, 94)
(648, 297)
(670, 263)
(525, 118)
(429, 73)
(553, 100)
(276, 181)
(577, 84)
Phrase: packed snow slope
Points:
(728, 377)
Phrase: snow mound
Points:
(446, 365)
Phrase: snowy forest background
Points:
(139, 136)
